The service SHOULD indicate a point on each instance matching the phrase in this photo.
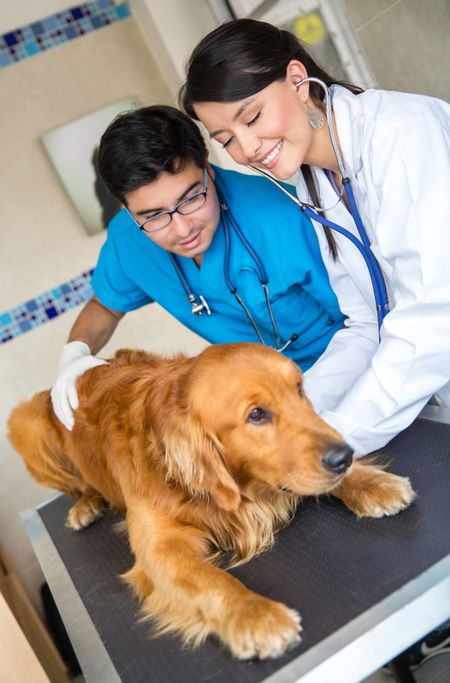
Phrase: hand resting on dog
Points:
(202, 455)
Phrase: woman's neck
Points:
(321, 152)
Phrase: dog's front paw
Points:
(85, 511)
(371, 492)
(261, 628)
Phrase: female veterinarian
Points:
(376, 160)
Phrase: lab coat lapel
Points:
(349, 117)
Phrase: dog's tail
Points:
(35, 435)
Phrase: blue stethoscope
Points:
(198, 302)
(363, 243)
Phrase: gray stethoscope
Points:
(362, 244)
(199, 304)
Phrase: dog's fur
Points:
(173, 443)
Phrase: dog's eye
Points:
(300, 389)
(258, 416)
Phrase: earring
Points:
(314, 116)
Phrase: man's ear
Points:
(194, 459)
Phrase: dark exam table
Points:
(366, 589)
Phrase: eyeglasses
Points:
(185, 207)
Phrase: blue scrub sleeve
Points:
(112, 285)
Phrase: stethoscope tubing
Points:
(230, 221)
(376, 275)
(363, 243)
(369, 260)
(199, 303)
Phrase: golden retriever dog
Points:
(202, 455)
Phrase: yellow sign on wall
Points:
(310, 28)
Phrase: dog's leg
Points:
(139, 581)
(194, 599)
(86, 510)
(371, 492)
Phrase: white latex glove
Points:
(75, 359)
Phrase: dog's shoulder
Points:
(134, 357)
(139, 357)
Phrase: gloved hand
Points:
(75, 359)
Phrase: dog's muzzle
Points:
(338, 458)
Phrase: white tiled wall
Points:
(42, 240)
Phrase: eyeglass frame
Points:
(176, 209)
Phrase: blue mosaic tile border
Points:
(45, 307)
(42, 35)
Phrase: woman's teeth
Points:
(273, 154)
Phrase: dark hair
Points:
(240, 58)
(139, 145)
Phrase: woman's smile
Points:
(272, 157)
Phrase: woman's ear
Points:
(195, 461)
(295, 74)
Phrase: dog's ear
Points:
(194, 459)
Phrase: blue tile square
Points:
(104, 4)
(49, 23)
(37, 28)
(97, 22)
(31, 305)
(65, 288)
(70, 33)
(5, 319)
(76, 13)
(25, 326)
(20, 52)
(32, 48)
(5, 59)
(51, 312)
(10, 39)
(26, 34)
(123, 11)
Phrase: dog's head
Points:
(248, 427)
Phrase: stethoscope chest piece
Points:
(199, 305)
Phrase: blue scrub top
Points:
(133, 271)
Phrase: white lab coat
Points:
(396, 149)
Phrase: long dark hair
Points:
(240, 58)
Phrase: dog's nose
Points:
(338, 458)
